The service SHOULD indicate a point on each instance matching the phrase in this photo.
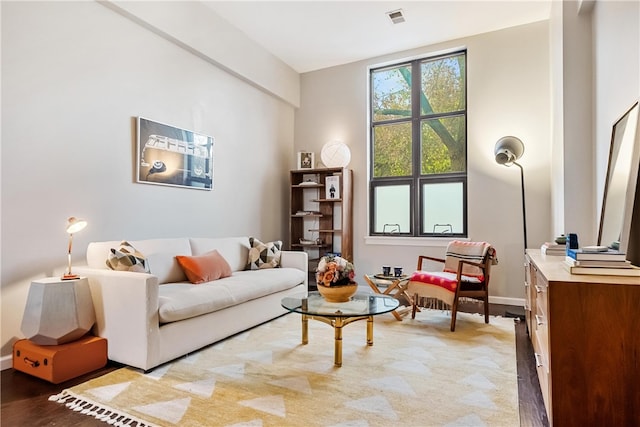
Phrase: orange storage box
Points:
(59, 363)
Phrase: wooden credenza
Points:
(585, 331)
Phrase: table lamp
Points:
(73, 226)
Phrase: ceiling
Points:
(310, 35)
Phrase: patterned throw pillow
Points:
(263, 255)
(127, 258)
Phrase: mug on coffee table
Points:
(397, 271)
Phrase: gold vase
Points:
(342, 293)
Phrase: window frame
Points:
(416, 180)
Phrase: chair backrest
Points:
(477, 252)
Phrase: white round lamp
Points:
(335, 154)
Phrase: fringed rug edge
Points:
(99, 411)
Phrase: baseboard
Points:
(6, 362)
(507, 301)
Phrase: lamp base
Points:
(70, 277)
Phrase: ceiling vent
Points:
(396, 16)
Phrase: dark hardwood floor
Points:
(25, 398)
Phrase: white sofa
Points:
(150, 319)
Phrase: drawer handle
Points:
(539, 320)
(538, 289)
(538, 360)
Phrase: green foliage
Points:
(392, 150)
(442, 139)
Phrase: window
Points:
(418, 164)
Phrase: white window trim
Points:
(434, 242)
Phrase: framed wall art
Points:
(332, 187)
(306, 160)
(171, 156)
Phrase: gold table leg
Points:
(337, 354)
(305, 329)
(337, 323)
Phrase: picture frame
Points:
(171, 156)
(332, 187)
(306, 160)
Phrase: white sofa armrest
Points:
(296, 259)
(126, 306)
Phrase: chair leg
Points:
(454, 311)
(486, 308)
(414, 306)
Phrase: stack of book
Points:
(552, 248)
(607, 262)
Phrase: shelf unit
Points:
(324, 222)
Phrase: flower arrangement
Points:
(334, 271)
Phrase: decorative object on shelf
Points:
(335, 154)
(58, 311)
(306, 160)
(334, 277)
(171, 156)
(508, 149)
(332, 187)
(73, 226)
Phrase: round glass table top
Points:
(361, 304)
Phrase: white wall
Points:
(74, 77)
(508, 94)
(617, 75)
(577, 133)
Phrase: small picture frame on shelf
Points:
(332, 187)
(306, 160)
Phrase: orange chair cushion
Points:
(442, 279)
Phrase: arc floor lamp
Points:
(508, 149)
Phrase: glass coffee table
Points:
(339, 314)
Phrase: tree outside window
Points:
(419, 147)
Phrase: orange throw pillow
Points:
(204, 268)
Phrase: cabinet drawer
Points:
(541, 334)
(544, 378)
(540, 288)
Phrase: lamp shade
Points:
(75, 224)
(508, 149)
(335, 154)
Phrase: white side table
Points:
(58, 311)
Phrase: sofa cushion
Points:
(263, 255)
(233, 249)
(166, 267)
(204, 268)
(127, 258)
(178, 301)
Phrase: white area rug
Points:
(417, 373)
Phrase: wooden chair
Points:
(465, 273)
